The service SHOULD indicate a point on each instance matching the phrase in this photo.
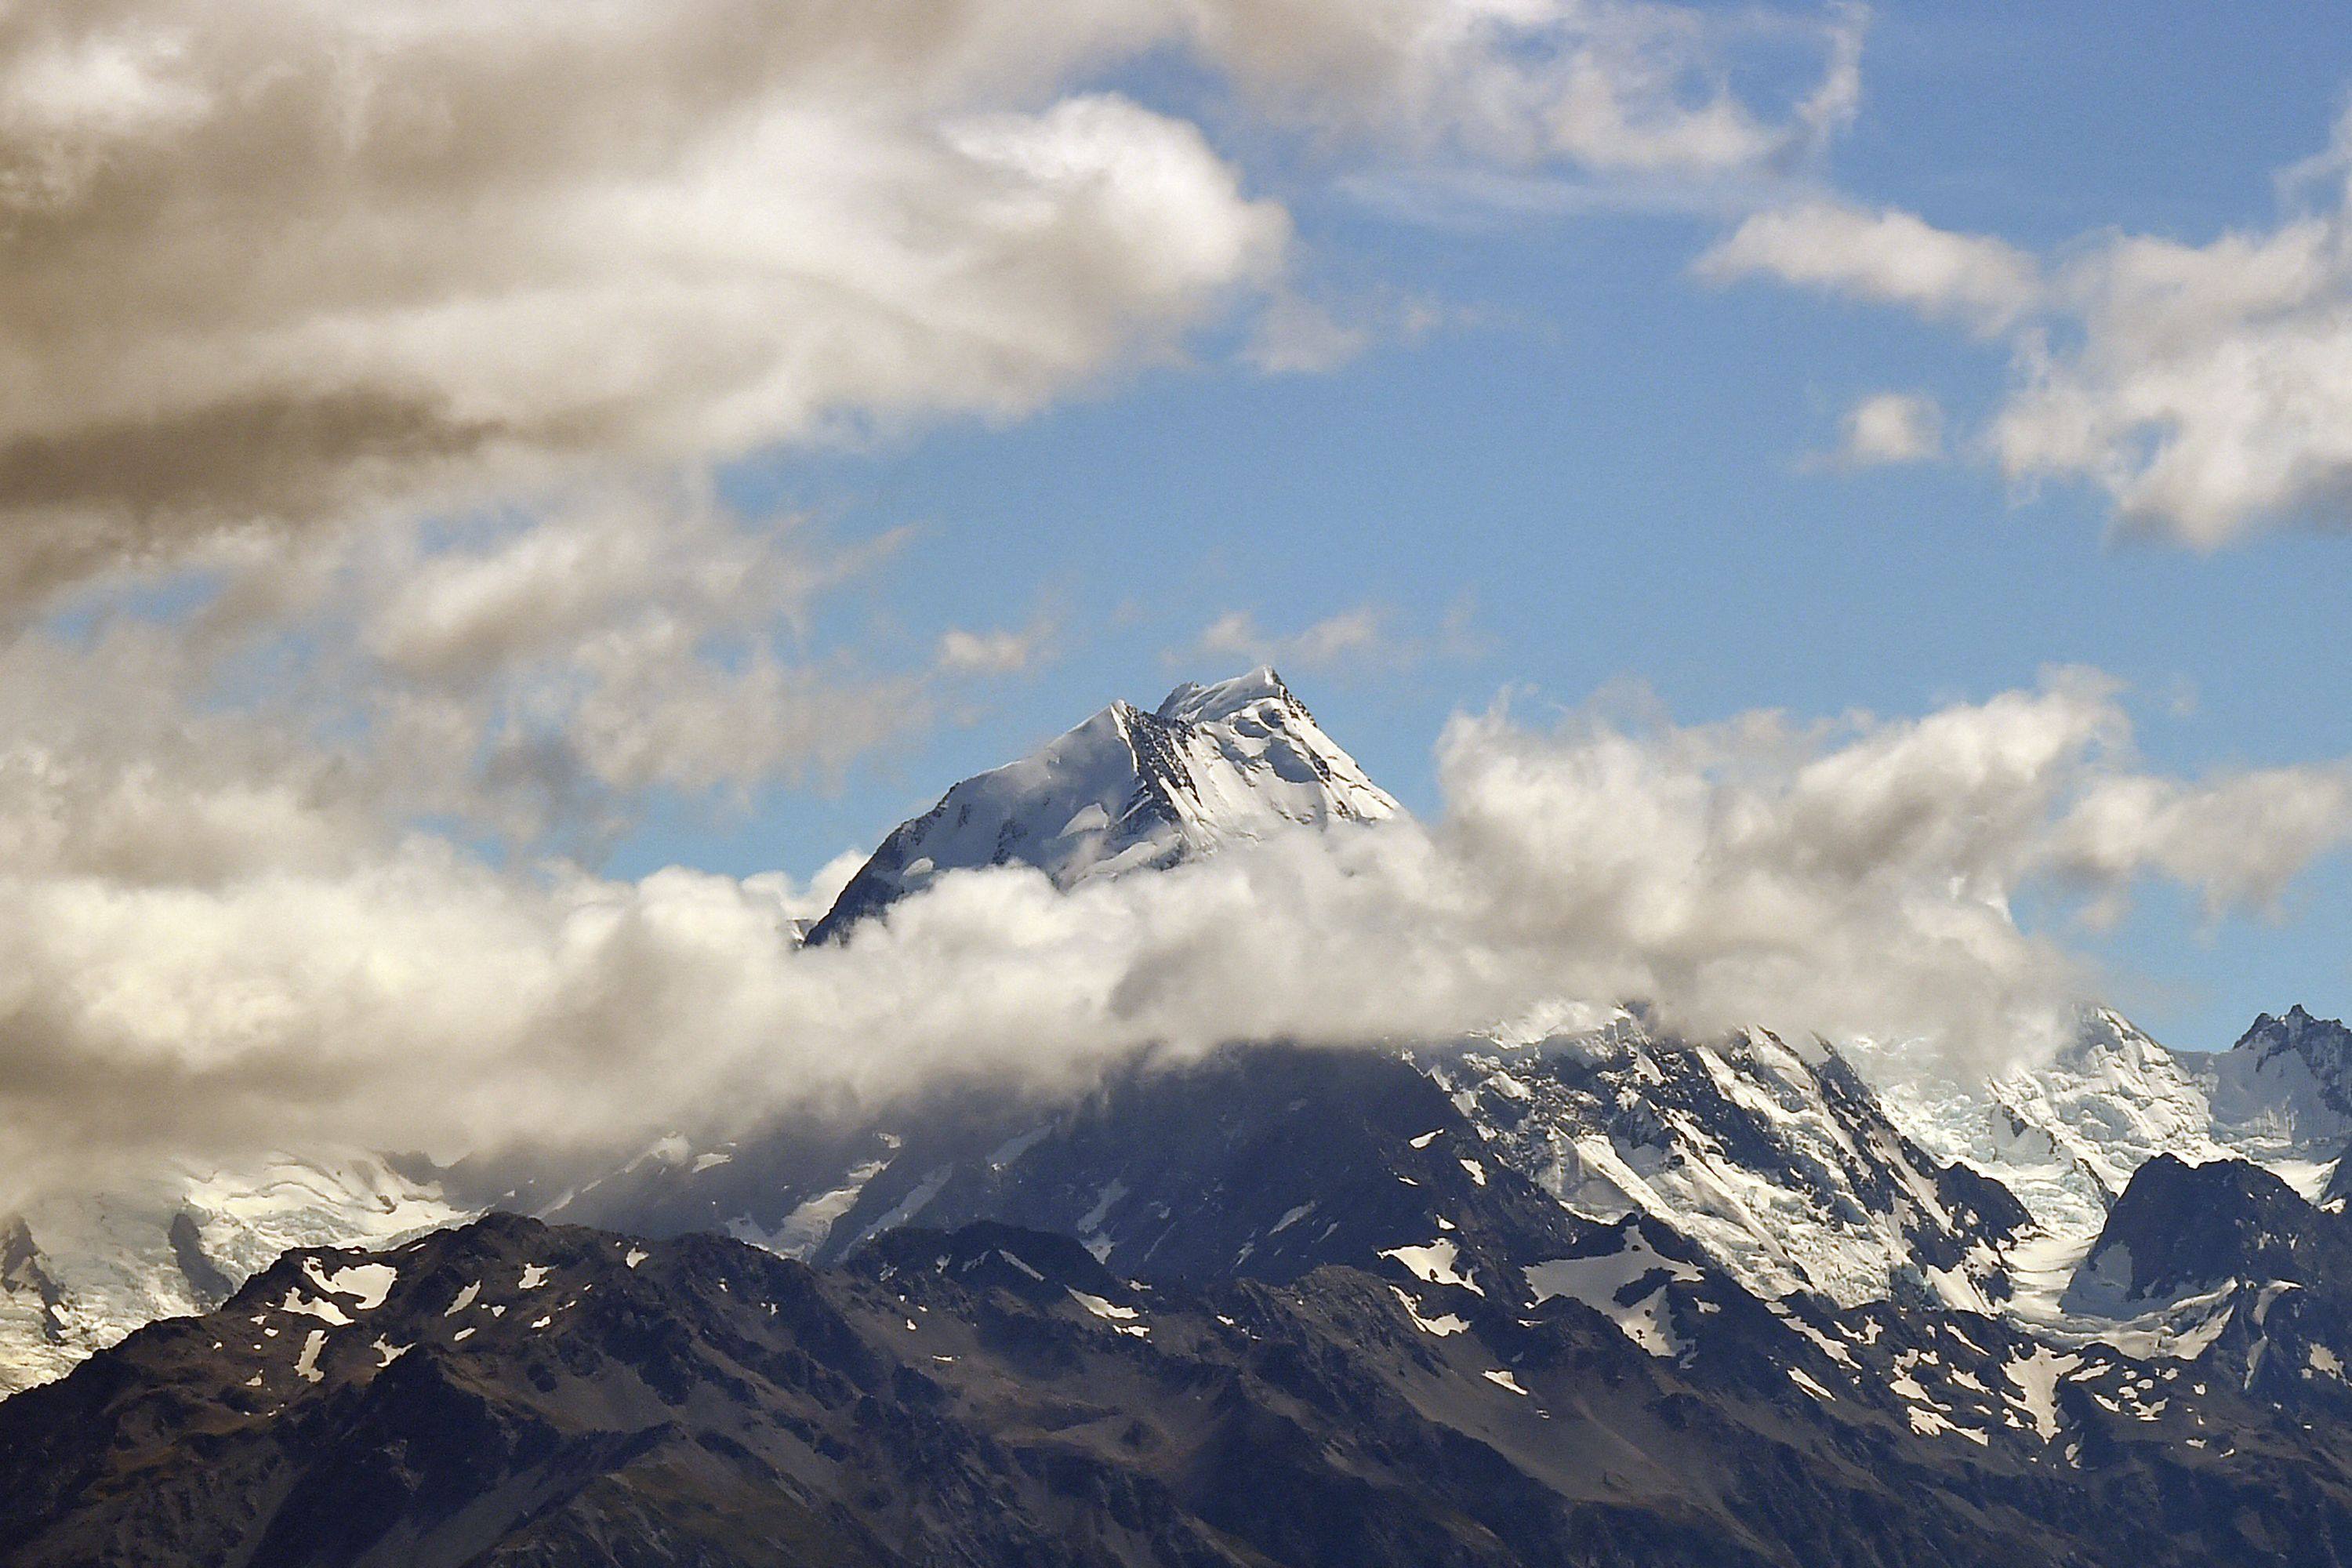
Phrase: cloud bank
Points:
(270, 262)
(1852, 877)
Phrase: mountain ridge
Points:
(1796, 1167)
(520, 1393)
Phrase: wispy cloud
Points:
(1885, 257)
(2202, 386)
(1363, 637)
(1885, 429)
(1004, 651)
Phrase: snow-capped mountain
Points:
(80, 1271)
(1126, 790)
(1772, 1154)
(1585, 1295)
(1773, 1157)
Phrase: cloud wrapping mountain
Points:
(1851, 877)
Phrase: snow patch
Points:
(366, 1283)
(1439, 1326)
(1797, 1375)
(1433, 1263)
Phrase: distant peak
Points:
(2294, 1020)
(2298, 1031)
(1192, 703)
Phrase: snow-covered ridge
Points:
(1773, 1155)
(1213, 764)
(2065, 1135)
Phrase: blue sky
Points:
(1595, 471)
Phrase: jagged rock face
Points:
(1776, 1157)
(2228, 1266)
(512, 1392)
(1128, 790)
(2179, 1229)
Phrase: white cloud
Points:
(1295, 336)
(1361, 635)
(1888, 427)
(532, 678)
(2240, 839)
(2206, 388)
(1004, 651)
(277, 261)
(1887, 256)
(1607, 87)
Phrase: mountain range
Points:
(1598, 1295)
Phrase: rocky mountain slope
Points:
(510, 1393)
(1774, 1155)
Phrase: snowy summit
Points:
(1232, 761)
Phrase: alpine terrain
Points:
(1592, 1295)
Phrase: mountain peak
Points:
(1229, 761)
(2285, 1088)
(1192, 703)
(2295, 1030)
